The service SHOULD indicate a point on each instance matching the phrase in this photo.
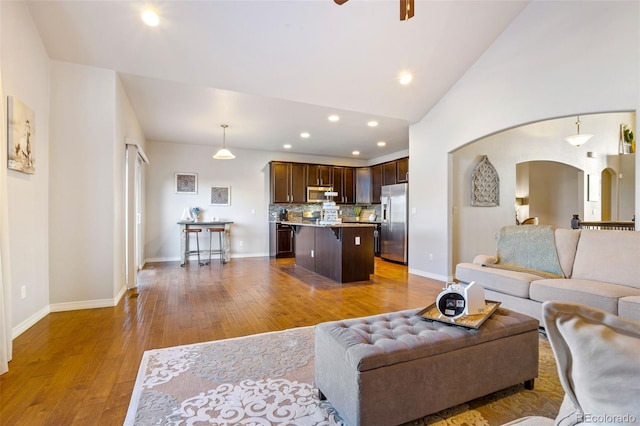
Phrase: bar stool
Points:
(187, 252)
(220, 251)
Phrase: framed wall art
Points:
(186, 183)
(221, 195)
(21, 130)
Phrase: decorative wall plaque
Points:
(485, 185)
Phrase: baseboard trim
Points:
(66, 306)
(88, 304)
(29, 322)
(437, 277)
(178, 259)
(121, 293)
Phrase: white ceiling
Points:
(272, 69)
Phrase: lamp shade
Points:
(578, 139)
(223, 153)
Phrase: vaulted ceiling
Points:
(273, 69)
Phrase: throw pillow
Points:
(598, 363)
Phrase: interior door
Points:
(134, 158)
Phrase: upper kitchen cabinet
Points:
(319, 175)
(344, 185)
(389, 173)
(402, 170)
(363, 185)
(376, 183)
(288, 182)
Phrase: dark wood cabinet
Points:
(288, 182)
(363, 185)
(319, 175)
(281, 240)
(344, 185)
(389, 173)
(402, 170)
(376, 183)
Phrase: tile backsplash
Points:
(295, 211)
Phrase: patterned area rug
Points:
(267, 379)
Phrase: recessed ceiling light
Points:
(304, 135)
(372, 123)
(286, 146)
(355, 152)
(334, 118)
(405, 78)
(150, 17)
(382, 143)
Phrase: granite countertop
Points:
(331, 225)
(352, 220)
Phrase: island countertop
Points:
(331, 225)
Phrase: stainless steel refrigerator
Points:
(394, 229)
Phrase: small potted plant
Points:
(357, 210)
(628, 140)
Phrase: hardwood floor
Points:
(79, 367)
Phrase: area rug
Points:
(267, 379)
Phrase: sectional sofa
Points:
(538, 263)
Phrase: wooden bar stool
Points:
(187, 252)
(220, 251)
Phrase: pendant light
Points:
(223, 153)
(578, 139)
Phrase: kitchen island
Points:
(340, 251)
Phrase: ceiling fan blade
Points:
(340, 1)
(407, 9)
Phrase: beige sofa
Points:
(597, 268)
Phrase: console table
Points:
(186, 224)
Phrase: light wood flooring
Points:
(79, 367)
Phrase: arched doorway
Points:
(552, 190)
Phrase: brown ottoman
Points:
(393, 368)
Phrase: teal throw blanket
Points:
(528, 247)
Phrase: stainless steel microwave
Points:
(315, 194)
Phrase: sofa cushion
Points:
(629, 308)
(598, 363)
(566, 246)
(608, 256)
(598, 294)
(500, 280)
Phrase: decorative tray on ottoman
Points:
(431, 313)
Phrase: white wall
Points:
(248, 176)
(82, 213)
(25, 75)
(556, 59)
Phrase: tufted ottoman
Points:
(393, 368)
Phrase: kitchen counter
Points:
(341, 251)
(331, 225)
